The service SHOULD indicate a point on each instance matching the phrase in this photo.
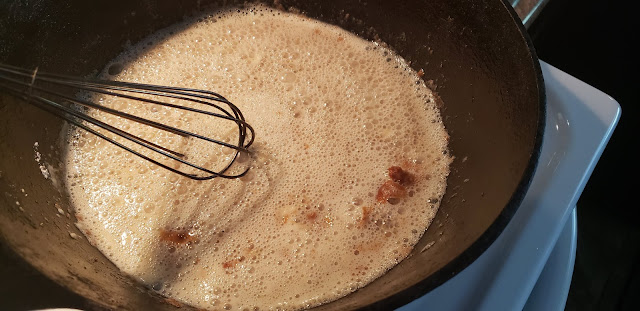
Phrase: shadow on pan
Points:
(474, 53)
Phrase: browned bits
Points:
(421, 73)
(312, 215)
(233, 262)
(228, 264)
(366, 211)
(328, 221)
(177, 236)
(401, 176)
(390, 189)
(173, 302)
(394, 189)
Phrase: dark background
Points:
(597, 42)
(593, 40)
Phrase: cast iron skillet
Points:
(474, 52)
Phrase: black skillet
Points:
(475, 53)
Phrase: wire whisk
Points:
(57, 94)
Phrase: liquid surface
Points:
(347, 170)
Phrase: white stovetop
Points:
(580, 120)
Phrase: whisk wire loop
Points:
(23, 83)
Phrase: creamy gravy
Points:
(346, 172)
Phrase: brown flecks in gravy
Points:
(390, 189)
(179, 237)
(366, 211)
(400, 176)
(233, 262)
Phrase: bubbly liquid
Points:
(318, 215)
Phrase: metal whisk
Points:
(47, 91)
